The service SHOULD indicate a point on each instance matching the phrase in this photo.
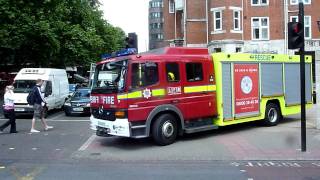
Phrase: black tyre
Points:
(67, 113)
(272, 115)
(165, 130)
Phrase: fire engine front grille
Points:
(105, 114)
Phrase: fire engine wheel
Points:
(164, 129)
(272, 115)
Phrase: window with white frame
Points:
(293, 2)
(171, 6)
(307, 25)
(236, 20)
(217, 20)
(259, 2)
(260, 28)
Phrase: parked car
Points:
(78, 103)
(72, 88)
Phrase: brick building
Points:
(156, 24)
(237, 25)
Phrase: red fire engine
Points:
(171, 91)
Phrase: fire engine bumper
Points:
(119, 127)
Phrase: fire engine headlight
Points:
(88, 105)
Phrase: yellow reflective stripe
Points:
(122, 96)
(193, 89)
(136, 94)
(212, 88)
(158, 92)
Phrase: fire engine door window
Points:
(172, 70)
(144, 74)
(194, 72)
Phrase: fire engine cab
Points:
(171, 91)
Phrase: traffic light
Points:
(295, 35)
(132, 41)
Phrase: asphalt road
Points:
(72, 151)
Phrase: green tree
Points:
(55, 33)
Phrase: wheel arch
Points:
(162, 109)
(276, 102)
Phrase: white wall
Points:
(275, 46)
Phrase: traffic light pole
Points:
(302, 83)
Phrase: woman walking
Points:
(8, 108)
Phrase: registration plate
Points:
(101, 124)
(78, 109)
(19, 109)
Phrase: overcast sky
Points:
(131, 16)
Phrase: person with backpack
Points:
(39, 103)
(8, 108)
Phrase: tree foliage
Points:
(55, 33)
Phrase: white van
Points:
(55, 88)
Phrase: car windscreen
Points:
(82, 93)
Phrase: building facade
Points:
(238, 25)
(156, 24)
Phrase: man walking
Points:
(38, 107)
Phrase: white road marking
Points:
(57, 120)
(2, 167)
(11, 148)
(87, 143)
(69, 120)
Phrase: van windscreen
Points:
(23, 86)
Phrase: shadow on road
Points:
(134, 144)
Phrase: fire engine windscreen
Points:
(110, 77)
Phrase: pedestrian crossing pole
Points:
(302, 82)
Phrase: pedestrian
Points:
(8, 108)
(38, 107)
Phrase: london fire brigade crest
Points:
(246, 84)
(146, 93)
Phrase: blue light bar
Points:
(123, 52)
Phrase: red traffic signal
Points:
(295, 35)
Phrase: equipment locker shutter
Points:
(271, 79)
(227, 90)
(292, 82)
